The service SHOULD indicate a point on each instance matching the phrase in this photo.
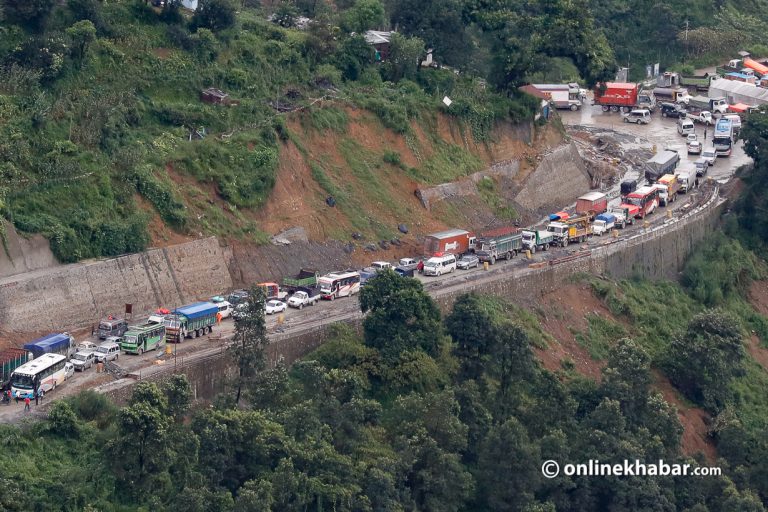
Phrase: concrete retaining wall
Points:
(78, 295)
(656, 253)
(466, 187)
(558, 180)
(24, 254)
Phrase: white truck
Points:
(301, 298)
(704, 117)
(686, 180)
(603, 223)
(623, 214)
(534, 240)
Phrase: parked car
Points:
(69, 370)
(107, 351)
(381, 265)
(86, 346)
(237, 296)
(709, 155)
(275, 306)
(672, 110)
(468, 261)
(691, 137)
(83, 360)
(694, 147)
(639, 116)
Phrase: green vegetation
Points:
(417, 413)
(602, 333)
(100, 102)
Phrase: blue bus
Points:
(61, 343)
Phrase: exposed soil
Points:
(758, 296)
(566, 311)
(694, 420)
(161, 53)
(757, 351)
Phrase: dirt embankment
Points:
(565, 314)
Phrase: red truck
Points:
(592, 204)
(625, 96)
(454, 241)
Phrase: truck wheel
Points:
(333, 297)
(533, 249)
(605, 108)
(663, 114)
(141, 351)
(565, 243)
(546, 247)
(493, 260)
(574, 108)
(626, 119)
(301, 306)
(614, 108)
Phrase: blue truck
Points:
(60, 343)
(190, 321)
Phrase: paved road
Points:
(660, 132)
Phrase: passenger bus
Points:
(143, 338)
(339, 284)
(42, 375)
(646, 199)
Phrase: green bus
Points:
(142, 338)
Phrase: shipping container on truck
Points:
(615, 96)
(673, 187)
(454, 241)
(591, 204)
(759, 69)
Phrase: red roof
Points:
(620, 85)
(738, 107)
(494, 232)
(533, 91)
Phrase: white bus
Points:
(43, 374)
(341, 284)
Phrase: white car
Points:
(69, 370)
(225, 308)
(694, 147)
(639, 116)
(691, 137)
(87, 346)
(709, 155)
(275, 306)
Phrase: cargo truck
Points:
(591, 204)
(700, 82)
(575, 229)
(491, 249)
(672, 94)
(663, 162)
(272, 291)
(686, 180)
(627, 187)
(193, 319)
(603, 223)
(562, 95)
(671, 188)
(615, 96)
(624, 214)
(61, 343)
(454, 241)
(534, 240)
(10, 359)
(702, 103)
(307, 278)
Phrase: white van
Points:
(639, 116)
(107, 351)
(381, 265)
(440, 265)
(685, 126)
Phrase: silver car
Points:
(468, 261)
(83, 360)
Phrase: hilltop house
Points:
(381, 41)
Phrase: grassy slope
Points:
(105, 149)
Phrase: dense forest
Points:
(428, 412)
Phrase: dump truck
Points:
(660, 164)
(672, 187)
(491, 249)
(702, 103)
(624, 214)
(700, 82)
(306, 278)
(575, 229)
(534, 240)
(591, 204)
(454, 241)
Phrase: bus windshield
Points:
(130, 339)
(637, 201)
(22, 381)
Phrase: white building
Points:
(738, 92)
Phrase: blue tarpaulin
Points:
(56, 343)
(197, 310)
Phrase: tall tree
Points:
(250, 341)
(216, 15)
(364, 15)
